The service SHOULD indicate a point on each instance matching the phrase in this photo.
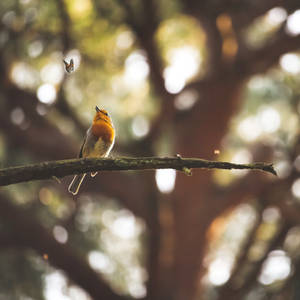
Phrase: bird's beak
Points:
(97, 109)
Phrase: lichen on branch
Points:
(61, 168)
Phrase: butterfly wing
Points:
(71, 65)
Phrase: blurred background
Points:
(215, 79)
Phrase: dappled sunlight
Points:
(276, 267)
(276, 16)
(137, 290)
(118, 237)
(265, 26)
(60, 234)
(219, 270)
(283, 168)
(249, 129)
(174, 83)
(259, 82)
(45, 196)
(227, 237)
(136, 69)
(229, 45)
(46, 93)
(209, 81)
(238, 155)
(80, 9)
(9, 18)
(265, 232)
(269, 119)
(293, 23)
(124, 226)
(292, 242)
(297, 163)
(186, 100)
(184, 63)
(58, 207)
(55, 284)
(271, 215)
(296, 188)
(76, 293)
(183, 56)
(52, 73)
(24, 75)
(242, 156)
(101, 262)
(140, 126)
(165, 180)
(290, 63)
(35, 48)
(57, 287)
(17, 116)
(125, 40)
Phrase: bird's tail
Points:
(76, 183)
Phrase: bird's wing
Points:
(81, 148)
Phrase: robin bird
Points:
(98, 142)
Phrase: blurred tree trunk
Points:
(178, 222)
(194, 206)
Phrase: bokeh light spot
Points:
(46, 93)
(186, 100)
(293, 23)
(219, 271)
(52, 73)
(140, 126)
(173, 82)
(276, 267)
(269, 119)
(276, 16)
(24, 75)
(124, 226)
(297, 163)
(136, 69)
(290, 63)
(35, 49)
(184, 64)
(17, 116)
(296, 188)
(283, 168)
(124, 40)
(100, 262)
(249, 129)
(165, 180)
(60, 234)
(271, 215)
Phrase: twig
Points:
(60, 168)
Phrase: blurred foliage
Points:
(112, 71)
(21, 275)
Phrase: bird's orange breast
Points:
(104, 130)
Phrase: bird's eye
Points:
(105, 113)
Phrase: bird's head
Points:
(102, 115)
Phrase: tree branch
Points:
(62, 168)
(262, 59)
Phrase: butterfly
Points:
(69, 66)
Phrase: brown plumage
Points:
(98, 142)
